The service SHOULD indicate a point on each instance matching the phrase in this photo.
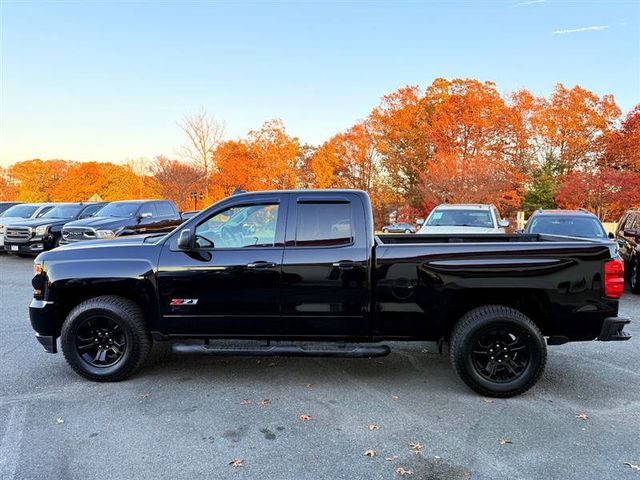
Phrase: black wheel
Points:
(105, 338)
(634, 277)
(498, 351)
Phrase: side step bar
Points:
(352, 351)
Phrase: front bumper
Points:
(613, 329)
(42, 316)
(32, 247)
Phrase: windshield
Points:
(461, 218)
(125, 209)
(588, 227)
(22, 211)
(63, 211)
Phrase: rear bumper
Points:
(613, 329)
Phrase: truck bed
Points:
(391, 239)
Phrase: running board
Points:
(353, 351)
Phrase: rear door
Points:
(325, 270)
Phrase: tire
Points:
(525, 358)
(634, 277)
(118, 326)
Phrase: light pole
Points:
(196, 196)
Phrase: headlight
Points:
(105, 234)
(42, 230)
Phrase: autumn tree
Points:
(8, 189)
(608, 192)
(570, 124)
(470, 133)
(622, 145)
(35, 179)
(203, 135)
(401, 125)
(267, 158)
(175, 180)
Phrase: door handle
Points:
(260, 265)
(345, 265)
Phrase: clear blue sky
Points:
(107, 80)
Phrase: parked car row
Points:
(31, 228)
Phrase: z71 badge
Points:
(184, 301)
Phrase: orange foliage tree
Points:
(8, 190)
(622, 146)
(267, 159)
(36, 178)
(570, 126)
(175, 180)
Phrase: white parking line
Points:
(11, 442)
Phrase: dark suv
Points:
(127, 217)
(628, 238)
(35, 235)
(570, 223)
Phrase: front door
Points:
(325, 270)
(229, 283)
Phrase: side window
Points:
(43, 211)
(90, 211)
(164, 209)
(324, 225)
(239, 227)
(148, 208)
(632, 221)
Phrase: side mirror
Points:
(420, 221)
(503, 223)
(611, 236)
(185, 240)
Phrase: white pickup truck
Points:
(464, 218)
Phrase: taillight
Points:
(614, 278)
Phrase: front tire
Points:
(105, 339)
(498, 351)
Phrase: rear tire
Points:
(634, 277)
(498, 351)
(105, 339)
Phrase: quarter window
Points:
(324, 225)
(239, 227)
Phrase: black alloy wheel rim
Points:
(100, 341)
(501, 354)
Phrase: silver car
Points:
(22, 211)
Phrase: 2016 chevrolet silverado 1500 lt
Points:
(306, 266)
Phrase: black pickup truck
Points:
(35, 235)
(305, 266)
(122, 218)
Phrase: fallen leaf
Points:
(488, 400)
(146, 395)
(373, 426)
(264, 401)
(308, 385)
(273, 364)
(245, 402)
(370, 453)
(395, 397)
(504, 441)
(582, 416)
(403, 471)
(415, 446)
(391, 458)
(304, 417)
(632, 466)
(236, 463)
(59, 420)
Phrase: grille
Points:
(73, 234)
(18, 233)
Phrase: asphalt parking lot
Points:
(189, 417)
